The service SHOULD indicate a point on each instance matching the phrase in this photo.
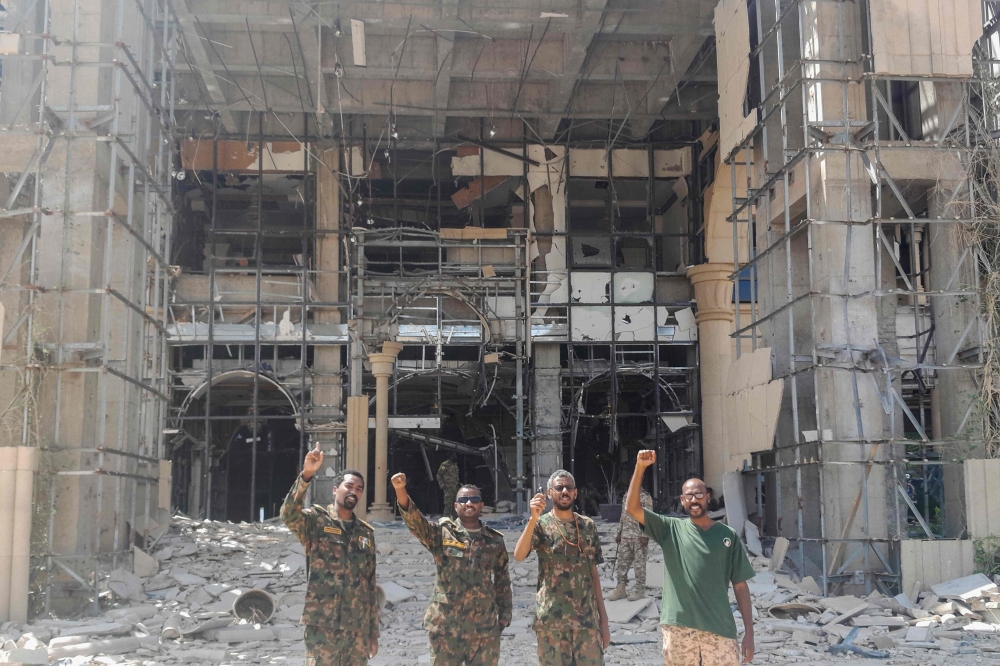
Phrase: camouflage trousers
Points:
(473, 648)
(632, 555)
(571, 647)
(449, 493)
(683, 646)
(326, 646)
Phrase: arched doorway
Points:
(252, 455)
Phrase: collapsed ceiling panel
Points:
(494, 163)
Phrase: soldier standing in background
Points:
(341, 611)
(633, 548)
(447, 478)
(472, 602)
(570, 621)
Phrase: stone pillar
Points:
(713, 291)
(382, 365)
(546, 401)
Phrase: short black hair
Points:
(469, 486)
(339, 479)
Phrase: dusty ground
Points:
(202, 566)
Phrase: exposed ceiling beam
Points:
(576, 46)
(386, 73)
(644, 26)
(683, 50)
(445, 60)
(381, 109)
(196, 50)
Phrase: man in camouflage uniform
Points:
(633, 548)
(472, 602)
(570, 621)
(447, 479)
(341, 611)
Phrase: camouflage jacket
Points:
(341, 587)
(472, 587)
(566, 598)
(447, 476)
(629, 526)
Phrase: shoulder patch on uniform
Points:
(332, 530)
(452, 543)
(365, 524)
(728, 542)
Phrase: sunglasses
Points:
(475, 499)
(561, 488)
(691, 496)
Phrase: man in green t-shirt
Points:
(700, 559)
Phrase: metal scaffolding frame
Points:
(123, 355)
(774, 234)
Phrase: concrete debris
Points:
(143, 565)
(182, 613)
(965, 588)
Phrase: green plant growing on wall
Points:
(987, 555)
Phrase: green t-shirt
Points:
(698, 566)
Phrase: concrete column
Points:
(546, 404)
(20, 561)
(713, 291)
(327, 389)
(382, 364)
(8, 472)
(955, 387)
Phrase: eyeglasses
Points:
(561, 488)
(691, 496)
(475, 499)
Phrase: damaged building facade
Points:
(529, 236)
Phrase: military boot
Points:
(637, 593)
(619, 593)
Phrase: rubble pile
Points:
(952, 620)
(179, 605)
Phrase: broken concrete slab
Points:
(185, 578)
(841, 604)
(883, 642)
(24, 656)
(752, 535)
(810, 586)
(142, 564)
(623, 610)
(778, 553)
(917, 634)
(395, 594)
(111, 646)
(241, 634)
(967, 587)
(126, 585)
(858, 609)
(880, 621)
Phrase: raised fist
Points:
(398, 481)
(314, 460)
(537, 505)
(645, 459)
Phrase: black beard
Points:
(349, 502)
(687, 510)
(557, 502)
